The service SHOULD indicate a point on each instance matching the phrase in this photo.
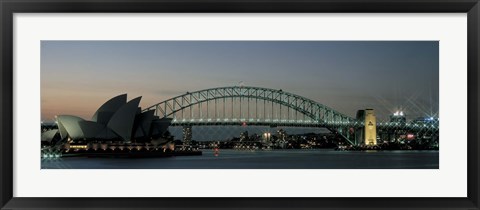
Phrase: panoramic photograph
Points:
(239, 105)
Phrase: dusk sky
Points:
(77, 77)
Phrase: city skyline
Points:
(77, 76)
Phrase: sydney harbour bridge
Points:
(257, 106)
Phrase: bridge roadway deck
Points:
(285, 123)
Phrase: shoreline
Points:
(129, 154)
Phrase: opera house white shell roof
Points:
(116, 119)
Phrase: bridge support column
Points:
(370, 127)
(368, 133)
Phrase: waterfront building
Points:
(187, 135)
(267, 137)
(282, 135)
(425, 120)
(115, 121)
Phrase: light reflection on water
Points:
(274, 159)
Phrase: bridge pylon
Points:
(366, 134)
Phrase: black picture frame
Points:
(10, 7)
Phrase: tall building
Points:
(398, 117)
(187, 134)
(282, 135)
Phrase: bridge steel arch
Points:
(320, 115)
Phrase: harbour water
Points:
(258, 159)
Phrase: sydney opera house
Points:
(116, 121)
